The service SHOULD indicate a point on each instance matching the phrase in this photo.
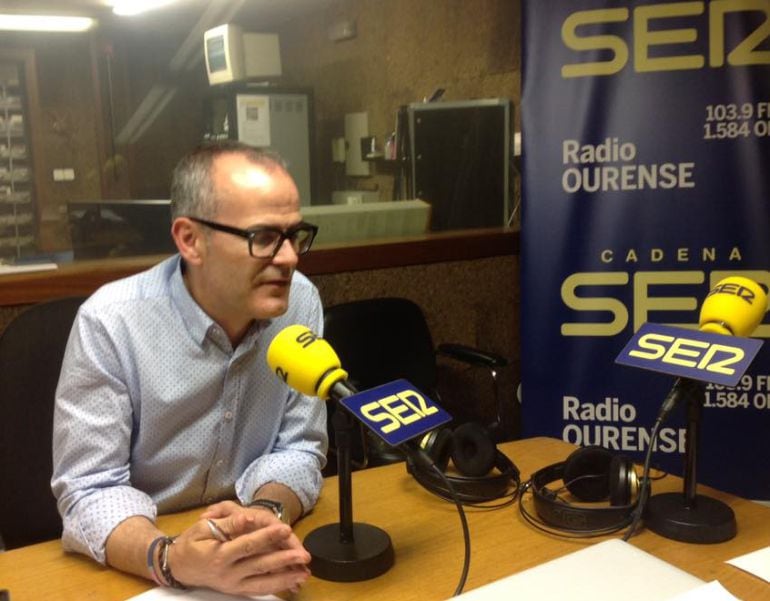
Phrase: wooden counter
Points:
(83, 277)
(427, 540)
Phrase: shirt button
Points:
(228, 415)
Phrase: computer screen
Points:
(120, 228)
(215, 51)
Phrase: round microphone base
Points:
(368, 555)
(705, 521)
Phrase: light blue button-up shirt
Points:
(156, 412)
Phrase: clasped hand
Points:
(262, 556)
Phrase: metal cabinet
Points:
(268, 117)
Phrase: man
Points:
(165, 400)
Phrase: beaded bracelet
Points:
(151, 560)
(165, 568)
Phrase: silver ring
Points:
(217, 532)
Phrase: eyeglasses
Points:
(265, 241)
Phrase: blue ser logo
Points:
(396, 411)
(690, 353)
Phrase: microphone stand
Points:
(688, 516)
(347, 551)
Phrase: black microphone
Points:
(346, 551)
(734, 307)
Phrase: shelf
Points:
(17, 208)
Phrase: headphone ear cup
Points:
(622, 480)
(473, 451)
(438, 445)
(586, 473)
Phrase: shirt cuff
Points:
(93, 518)
(296, 470)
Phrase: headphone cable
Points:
(645, 489)
(477, 501)
(537, 523)
(510, 499)
(421, 458)
(466, 531)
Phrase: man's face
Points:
(238, 288)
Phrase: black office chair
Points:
(31, 352)
(383, 339)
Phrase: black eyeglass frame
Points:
(251, 233)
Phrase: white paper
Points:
(253, 119)
(611, 570)
(711, 591)
(170, 594)
(756, 563)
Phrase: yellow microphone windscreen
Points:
(304, 361)
(735, 306)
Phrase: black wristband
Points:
(274, 506)
(165, 568)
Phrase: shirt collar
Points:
(197, 321)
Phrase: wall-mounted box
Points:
(356, 127)
(460, 161)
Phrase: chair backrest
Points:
(382, 339)
(31, 351)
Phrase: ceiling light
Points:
(127, 8)
(44, 23)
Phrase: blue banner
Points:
(646, 180)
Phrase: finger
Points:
(292, 542)
(274, 537)
(277, 561)
(255, 518)
(226, 529)
(217, 532)
(275, 582)
(234, 525)
(220, 510)
(248, 521)
(263, 518)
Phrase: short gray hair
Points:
(192, 185)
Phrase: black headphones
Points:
(590, 474)
(474, 455)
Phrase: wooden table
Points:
(427, 539)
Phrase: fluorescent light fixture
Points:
(127, 8)
(12, 22)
